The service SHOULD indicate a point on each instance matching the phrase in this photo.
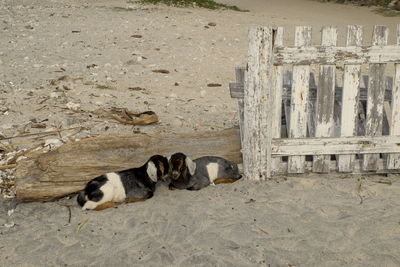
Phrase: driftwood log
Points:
(48, 176)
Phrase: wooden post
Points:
(394, 159)
(259, 82)
(376, 92)
(299, 99)
(325, 100)
(351, 84)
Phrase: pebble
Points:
(177, 123)
(203, 93)
(73, 106)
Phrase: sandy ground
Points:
(313, 221)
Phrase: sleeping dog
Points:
(131, 185)
(201, 172)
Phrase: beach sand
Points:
(308, 221)
(317, 220)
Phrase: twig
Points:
(65, 204)
(9, 166)
(14, 159)
(383, 182)
(69, 214)
(82, 223)
(359, 192)
(68, 206)
(262, 230)
(42, 133)
(7, 183)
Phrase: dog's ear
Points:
(152, 171)
(191, 165)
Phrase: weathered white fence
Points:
(343, 121)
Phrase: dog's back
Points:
(210, 168)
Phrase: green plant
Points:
(210, 4)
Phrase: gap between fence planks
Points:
(48, 176)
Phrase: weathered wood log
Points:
(46, 177)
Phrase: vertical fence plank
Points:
(351, 84)
(259, 81)
(240, 74)
(394, 159)
(376, 92)
(325, 101)
(276, 95)
(299, 100)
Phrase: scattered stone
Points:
(161, 71)
(136, 36)
(203, 93)
(137, 88)
(38, 125)
(91, 66)
(214, 85)
(212, 24)
(73, 106)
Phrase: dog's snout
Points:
(175, 174)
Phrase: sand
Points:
(301, 221)
(309, 221)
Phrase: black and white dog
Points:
(135, 184)
(201, 172)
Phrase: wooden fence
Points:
(340, 121)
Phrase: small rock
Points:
(73, 106)
(212, 24)
(9, 224)
(214, 85)
(136, 36)
(161, 71)
(173, 96)
(203, 93)
(177, 123)
(54, 94)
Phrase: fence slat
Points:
(259, 81)
(276, 97)
(350, 94)
(325, 100)
(299, 99)
(376, 92)
(394, 159)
